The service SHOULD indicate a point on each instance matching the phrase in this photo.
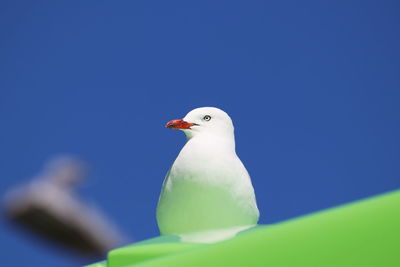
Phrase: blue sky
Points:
(313, 88)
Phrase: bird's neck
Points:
(212, 142)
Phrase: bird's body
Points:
(207, 187)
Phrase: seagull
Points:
(207, 194)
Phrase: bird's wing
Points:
(164, 183)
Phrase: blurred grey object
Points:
(49, 207)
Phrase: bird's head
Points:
(207, 120)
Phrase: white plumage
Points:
(207, 189)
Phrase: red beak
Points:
(179, 124)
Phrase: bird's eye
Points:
(207, 117)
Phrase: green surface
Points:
(99, 264)
(365, 233)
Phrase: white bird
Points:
(207, 189)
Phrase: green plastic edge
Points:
(364, 233)
(98, 264)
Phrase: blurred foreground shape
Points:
(364, 233)
(49, 207)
